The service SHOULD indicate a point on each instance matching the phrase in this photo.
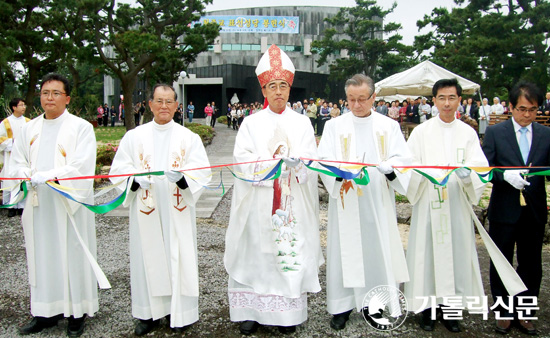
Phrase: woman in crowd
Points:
(497, 108)
(208, 114)
(484, 116)
(335, 112)
(403, 111)
(324, 116)
(393, 111)
(505, 108)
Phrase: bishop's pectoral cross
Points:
(178, 201)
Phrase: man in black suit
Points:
(474, 112)
(518, 141)
(414, 114)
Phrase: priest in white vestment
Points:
(59, 234)
(272, 250)
(163, 239)
(10, 129)
(441, 252)
(364, 249)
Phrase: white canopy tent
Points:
(391, 98)
(419, 80)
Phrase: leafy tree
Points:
(30, 35)
(154, 34)
(493, 42)
(360, 31)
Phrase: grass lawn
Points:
(109, 134)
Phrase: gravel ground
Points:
(114, 317)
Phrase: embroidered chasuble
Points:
(273, 252)
(364, 247)
(163, 248)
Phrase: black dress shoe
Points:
(287, 329)
(12, 212)
(249, 327)
(145, 326)
(503, 326)
(38, 324)
(526, 326)
(369, 317)
(179, 329)
(76, 326)
(426, 321)
(338, 322)
(451, 325)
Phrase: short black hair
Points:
(164, 85)
(57, 77)
(528, 90)
(444, 83)
(14, 103)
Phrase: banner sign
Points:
(254, 23)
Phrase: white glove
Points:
(143, 181)
(40, 178)
(173, 176)
(514, 178)
(291, 162)
(462, 173)
(385, 168)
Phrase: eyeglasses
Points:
(282, 86)
(524, 110)
(56, 94)
(443, 98)
(161, 102)
(360, 100)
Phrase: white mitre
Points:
(275, 65)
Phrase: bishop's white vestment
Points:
(10, 130)
(364, 249)
(163, 235)
(441, 252)
(61, 278)
(272, 249)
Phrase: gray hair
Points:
(358, 80)
(165, 86)
(496, 98)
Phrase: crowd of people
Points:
(273, 248)
(106, 114)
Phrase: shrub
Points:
(206, 133)
(105, 154)
(222, 119)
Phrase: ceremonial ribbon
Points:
(355, 171)
(21, 195)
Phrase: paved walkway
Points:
(219, 152)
